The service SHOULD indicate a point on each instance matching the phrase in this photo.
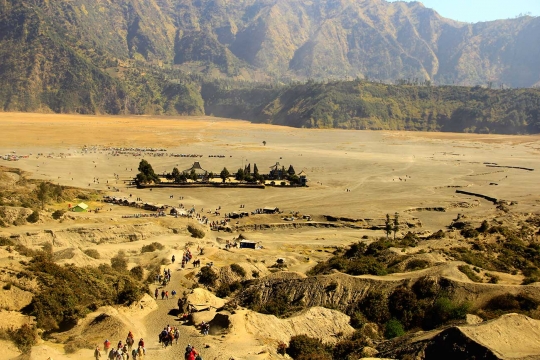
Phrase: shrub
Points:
(393, 328)
(4, 241)
(237, 269)
(307, 347)
(403, 306)
(513, 303)
(223, 290)
(409, 239)
(207, 276)
(377, 246)
(358, 320)
(137, 272)
(282, 348)
(417, 264)
(503, 302)
(322, 356)
(57, 306)
(356, 249)
(130, 293)
(7, 286)
(20, 221)
(74, 344)
(445, 310)
(366, 265)
(119, 262)
(469, 233)
(153, 270)
(152, 247)
(236, 286)
(195, 232)
(438, 235)
(348, 349)
(484, 227)
(255, 274)
(470, 274)
(58, 214)
(493, 279)
(375, 307)
(93, 253)
(33, 217)
(530, 280)
(24, 337)
(279, 305)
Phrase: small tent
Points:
(80, 207)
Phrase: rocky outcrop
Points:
(322, 323)
(80, 236)
(511, 336)
(339, 290)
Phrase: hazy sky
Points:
(482, 10)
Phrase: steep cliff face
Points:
(368, 38)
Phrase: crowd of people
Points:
(122, 351)
(141, 215)
(164, 279)
(186, 257)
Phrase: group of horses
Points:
(167, 339)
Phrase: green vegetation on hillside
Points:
(68, 292)
(362, 104)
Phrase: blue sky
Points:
(482, 10)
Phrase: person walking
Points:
(97, 353)
(191, 353)
(106, 346)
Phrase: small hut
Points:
(246, 244)
(303, 178)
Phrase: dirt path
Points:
(166, 315)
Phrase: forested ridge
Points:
(363, 104)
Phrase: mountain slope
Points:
(133, 56)
(42, 67)
(361, 104)
(371, 38)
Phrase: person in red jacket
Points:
(191, 353)
(107, 346)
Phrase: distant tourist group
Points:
(123, 350)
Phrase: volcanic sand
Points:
(368, 163)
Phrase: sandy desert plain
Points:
(410, 173)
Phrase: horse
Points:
(197, 263)
(165, 339)
(129, 342)
(140, 352)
